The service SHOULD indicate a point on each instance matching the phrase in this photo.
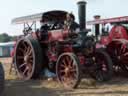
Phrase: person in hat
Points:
(70, 23)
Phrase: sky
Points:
(9, 9)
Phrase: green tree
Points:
(6, 38)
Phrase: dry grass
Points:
(14, 87)
(7, 65)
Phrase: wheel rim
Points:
(67, 71)
(25, 59)
(102, 68)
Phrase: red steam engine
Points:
(66, 51)
(114, 37)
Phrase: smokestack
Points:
(97, 26)
(97, 17)
(82, 14)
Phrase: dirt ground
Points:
(118, 86)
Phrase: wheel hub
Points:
(26, 58)
(66, 69)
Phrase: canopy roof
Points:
(47, 16)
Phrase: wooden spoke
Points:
(22, 65)
(20, 49)
(62, 70)
(126, 54)
(64, 62)
(28, 49)
(26, 69)
(62, 65)
(20, 57)
(30, 52)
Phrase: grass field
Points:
(118, 86)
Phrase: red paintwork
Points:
(67, 48)
(82, 59)
(52, 56)
(60, 35)
(105, 40)
(117, 32)
(12, 53)
(57, 35)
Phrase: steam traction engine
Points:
(114, 37)
(66, 52)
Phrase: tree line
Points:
(4, 37)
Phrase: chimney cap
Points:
(81, 2)
(97, 17)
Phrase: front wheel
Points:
(103, 62)
(68, 70)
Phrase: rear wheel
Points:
(68, 70)
(121, 52)
(103, 62)
(1, 80)
(28, 58)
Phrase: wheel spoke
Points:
(121, 49)
(25, 50)
(22, 65)
(31, 60)
(64, 62)
(67, 58)
(28, 49)
(116, 52)
(71, 64)
(30, 52)
(25, 46)
(62, 65)
(29, 69)
(124, 48)
(20, 57)
(20, 49)
(126, 54)
(31, 57)
(26, 69)
(63, 79)
(73, 70)
(66, 74)
(62, 71)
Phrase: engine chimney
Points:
(82, 14)
(97, 26)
